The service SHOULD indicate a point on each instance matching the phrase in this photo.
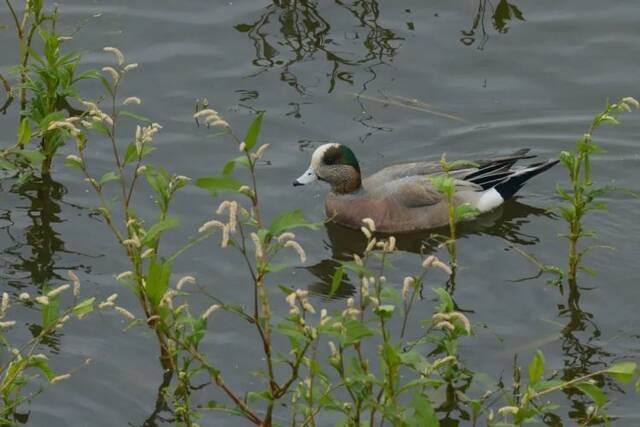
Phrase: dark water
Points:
(375, 76)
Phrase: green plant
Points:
(372, 375)
(18, 369)
(27, 23)
(47, 81)
(525, 403)
(583, 196)
(446, 185)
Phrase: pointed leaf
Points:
(83, 307)
(254, 130)
(157, 229)
(215, 184)
(289, 220)
(107, 177)
(231, 164)
(622, 371)
(536, 368)
(336, 281)
(134, 116)
(594, 392)
(24, 132)
(157, 281)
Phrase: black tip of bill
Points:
(297, 183)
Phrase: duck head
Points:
(335, 164)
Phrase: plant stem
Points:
(9, 91)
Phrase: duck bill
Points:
(306, 178)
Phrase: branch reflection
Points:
(499, 16)
(293, 31)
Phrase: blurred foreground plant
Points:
(583, 196)
(47, 80)
(373, 374)
(23, 359)
(456, 212)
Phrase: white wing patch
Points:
(489, 200)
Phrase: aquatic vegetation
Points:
(47, 80)
(445, 184)
(149, 274)
(583, 196)
(356, 364)
(23, 363)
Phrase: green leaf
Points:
(7, 165)
(107, 177)
(355, 331)
(42, 365)
(89, 74)
(390, 294)
(273, 267)
(444, 184)
(158, 281)
(544, 385)
(385, 310)
(158, 228)
(24, 132)
(231, 164)
(336, 281)
(622, 371)
(465, 211)
(50, 118)
(423, 413)
(50, 312)
(34, 157)
(73, 162)
(445, 299)
(83, 307)
(254, 130)
(285, 289)
(100, 128)
(568, 159)
(132, 154)
(252, 396)
(289, 220)
(198, 331)
(594, 392)
(536, 368)
(134, 116)
(291, 330)
(460, 164)
(215, 184)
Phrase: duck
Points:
(402, 198)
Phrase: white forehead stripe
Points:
(317, 156)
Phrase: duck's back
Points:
(397, 201)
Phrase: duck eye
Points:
(330, 161)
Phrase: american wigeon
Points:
(402, 198)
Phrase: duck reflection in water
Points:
(505, 222)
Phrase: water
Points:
(347, 73)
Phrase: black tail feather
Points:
(509, 186)
(498, 164)
(499, 173)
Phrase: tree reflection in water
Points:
(499, 16)
(34, 256)
(292, 31)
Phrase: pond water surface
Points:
(395, 81)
